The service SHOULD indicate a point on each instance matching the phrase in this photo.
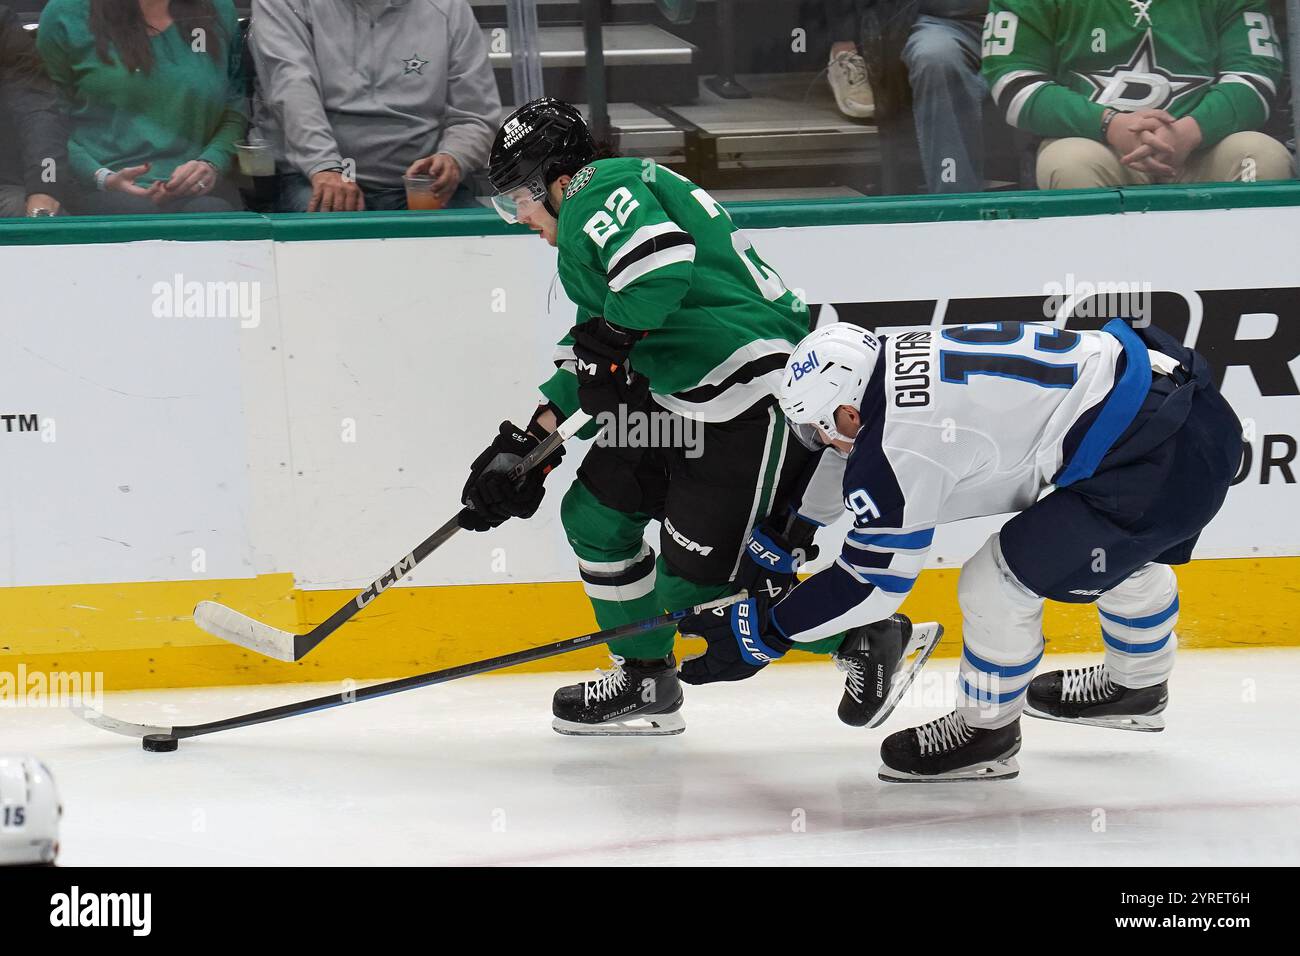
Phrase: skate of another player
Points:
(472, 773)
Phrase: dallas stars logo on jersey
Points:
(580, 179)
(1141, 83)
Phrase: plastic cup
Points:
(420, 193)
(255, 159)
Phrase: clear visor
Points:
(517, 204)
(807, 436)
(810, 436)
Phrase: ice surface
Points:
(471, 773)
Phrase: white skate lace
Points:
(1087, 684)
(855, 676)
(946, 733)
(609, 684)
(852, 66)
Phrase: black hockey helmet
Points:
(536, 145)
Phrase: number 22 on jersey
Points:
(620, 204)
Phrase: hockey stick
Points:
(229, 625)
(128, 729)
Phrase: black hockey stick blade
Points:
(387, 688)
(236, 628)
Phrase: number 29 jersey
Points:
(960, 422)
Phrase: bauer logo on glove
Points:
(740, 643)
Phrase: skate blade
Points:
(1004, 769)
(1143, 723)
(651, 725)
(925, 638)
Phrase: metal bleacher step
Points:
(636, 131)
(789, 126)
(642, 62)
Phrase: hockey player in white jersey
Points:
(1123, 427)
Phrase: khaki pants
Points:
(1078, 163)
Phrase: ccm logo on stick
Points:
(386, 581)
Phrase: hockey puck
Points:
(159, 743)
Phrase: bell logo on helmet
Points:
(806, 367)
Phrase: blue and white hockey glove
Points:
(773, 558)
(739, 643)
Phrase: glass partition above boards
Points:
(318, 106)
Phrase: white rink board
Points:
(823, 263)
(139, 471)
(411, 351)
(417, 348)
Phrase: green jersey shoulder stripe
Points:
(649, 250)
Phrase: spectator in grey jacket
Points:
(33, 131)
(354, 94)
(948, 93)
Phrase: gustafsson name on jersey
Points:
(913, 363)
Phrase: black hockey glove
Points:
(772, 558)
(605, 381)
(740, 644)
(490, 496)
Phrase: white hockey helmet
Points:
(829, 368)
(29, 812)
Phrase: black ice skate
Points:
(631, 699)
(948, 749)
(880, 661)
(1088, 696)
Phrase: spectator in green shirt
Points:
(155, 98)
(1140, 92)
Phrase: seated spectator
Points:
(942, 56)
(155, 102)
(356, 94)
(33, 134)
(1148, 93)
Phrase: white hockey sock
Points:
(1137, 625)
(1002, 639)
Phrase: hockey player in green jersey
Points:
(680, 324)
(1132, 92)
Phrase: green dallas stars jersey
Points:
(648, 249)
(1053, 66)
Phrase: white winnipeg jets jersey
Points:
(961, 422)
